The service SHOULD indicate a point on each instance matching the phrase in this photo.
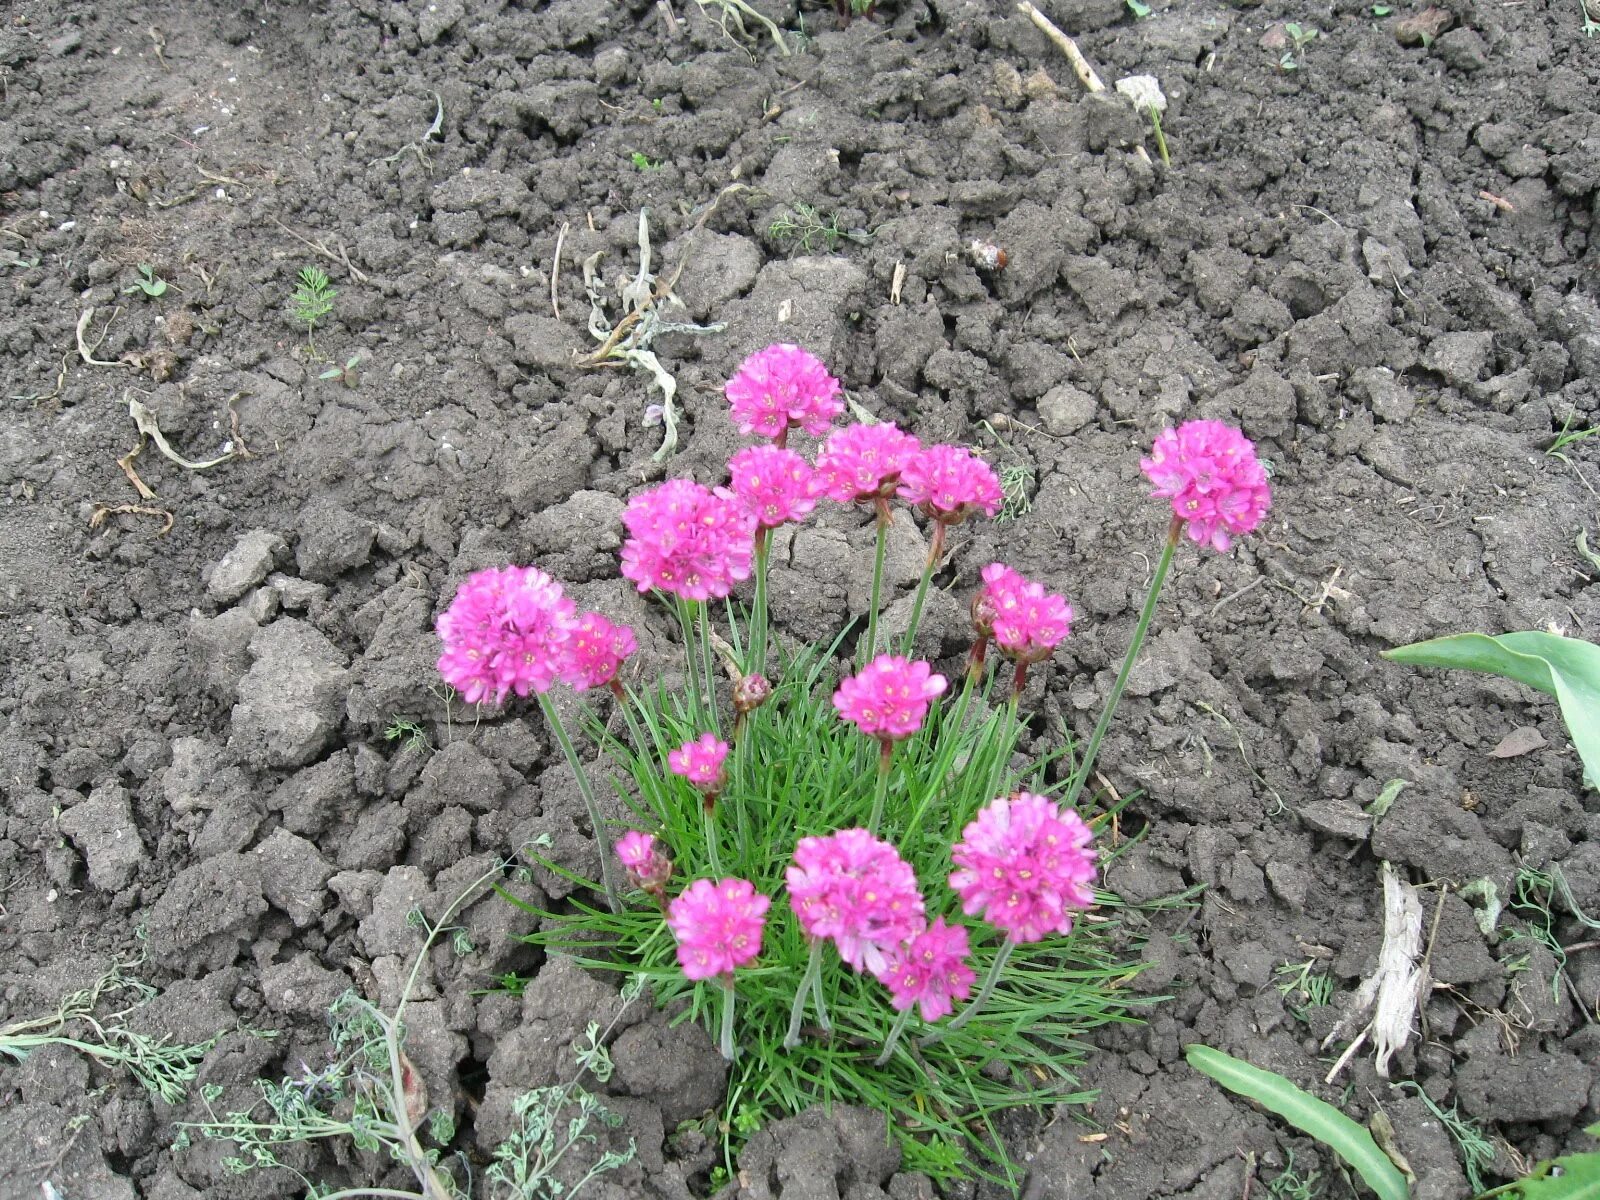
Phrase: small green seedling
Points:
(1304, 986)
(403, 729)
(1139, 9)
(151, 284)
(1289, 1184)
(1381, 10)
(1568, 436)
(642, 161)
(347, 375)
(312, 301)
(1300, 36)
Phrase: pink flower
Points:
(750, 693)
(1025, 866)
(777, 485)
(889, 698)
(648, 868)
(781, 386)
(687, 540)
(930, 971)
(857, 890)
(505, 631)
(1215, 482)
(700, 762)
(1027, 621)
(594, 651)
(718, 926)
(949, 484)
(863, 462)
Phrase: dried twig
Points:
(86, 351)
(1499, 202)
(555, 270)
(102, 511)
(1080, 65)
(319, 247)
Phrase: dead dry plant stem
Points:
(661, 292)
(86, 351)
(342, 256)
(1080, 65)
(555, 269)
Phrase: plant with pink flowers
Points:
(742, 773)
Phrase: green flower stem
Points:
(950, 731)
(1174, 532)
(881, 791)
(935, 553)
(725, 1043)
(607, 872)
(989, 980)
(686, 628)
(811, 982)
(885, 518)
(895, 1031)
(709, 808)
(758, 617)
(703, 628)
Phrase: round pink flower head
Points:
(700, 762)
(776, 484)
(648, 868)
(889, 699)
(750, 693)
(930, 971)
(1025, 866)
(1210, 472)
(781, 386)
(687, 540)
(718, 926)
(595, 651)
(857, 890)
(950, 483)
(505, 631)
(1027, 622)
(863, 462)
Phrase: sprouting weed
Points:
(1016, 485)
(148, 282)
(592, 1056)
(804, 227)
(1300, 36)
(1477, 1151)
(1304, 985)
(347, 374)
(938, 1158)
(402, 729)
(1289, 1184)
(747, 1119)
(164, 1071)
(461, 942)
(355, 1097)
(312, 300)
(1567, 436)
(642, 161)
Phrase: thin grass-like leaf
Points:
(1315, 1118)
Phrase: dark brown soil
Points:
(1383, 263)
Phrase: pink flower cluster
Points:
(858, 891)
(781, 386)
(777, 485)
(889, 698)
(949, 483)
(864, 462)
(929, 971)
(718, 926)
(1027, 622)
(512, 629)
(700, 762)
(1026, 866)
(687, 540)
(1217, 486)
(647, 866)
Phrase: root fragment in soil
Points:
(102, 511)
(1393, 992)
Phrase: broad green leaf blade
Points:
(1566, 668)
(1345, 1137)
(1574, 1177)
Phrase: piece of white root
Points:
(1394, 991)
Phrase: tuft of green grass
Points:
(805, 229)
(642, 161)
(1289, 1184)
(408, 732)
(1304, 985)
(1477, 1151)
(797, 771)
